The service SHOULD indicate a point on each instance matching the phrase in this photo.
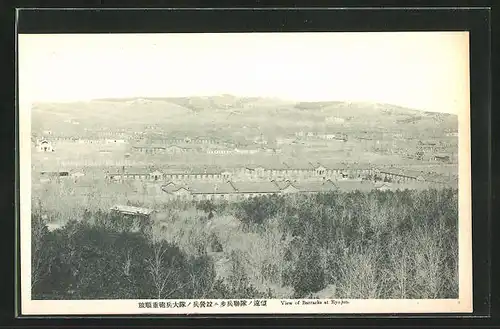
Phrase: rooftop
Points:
(255, 187)
(132, 210)
(351, 186)
(319, 186)
(205, 188)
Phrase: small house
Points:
(45, 146)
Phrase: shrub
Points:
(208, 207)
(308, 274)
(97, 261)
(215, 244)
(256, 210)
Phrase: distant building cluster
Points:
(231, 191)
(177, 149)
(307, 172)
(158, 143)
(125, 166)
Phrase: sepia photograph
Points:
(264, 173)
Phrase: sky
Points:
(421, 70)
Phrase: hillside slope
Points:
(228, 112)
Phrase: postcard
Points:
(245, 173)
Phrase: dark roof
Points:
(318, 186)
(350, 186)
(256, 187)
(405, 186)
(398, 172)
(53, 173)
(200, 188)
(282, 184)
(171, 187)
(206, 188)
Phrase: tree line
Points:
(379, 244)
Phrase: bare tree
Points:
(164, 276)
(200, 290)
(38, 251)
(127, 264)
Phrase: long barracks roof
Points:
(211, 188)
(402, 172)
(200, 188)
(256, 187)
(249, 187)
(194, 170)
(132, 210)
(408, 186)
(351, 186)
(320, 186)
(283, 184)
(343, 166)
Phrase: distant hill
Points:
(232, 113)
